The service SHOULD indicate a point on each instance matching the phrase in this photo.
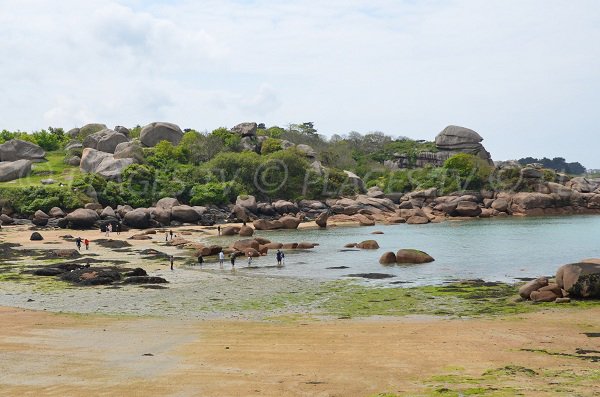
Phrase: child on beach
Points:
(86, 242)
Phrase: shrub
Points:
(473, 171)
(216, 193)
(270, 145)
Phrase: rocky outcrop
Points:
(87, 130)
(11, 170)
(16, 149)
(456, 139)
(105, 140)
(580, 280)
(264, 224)
(307, 151)
(289, 222)
(533, 285)
(153, 133)
(247, 201)
(129, 150)
(167, 203)
(245, 129)
(103, 164)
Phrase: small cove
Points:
(504, 250)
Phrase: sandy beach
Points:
(47, 354)
(206, 335)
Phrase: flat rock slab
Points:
(371, 276)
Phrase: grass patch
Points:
(54, 168)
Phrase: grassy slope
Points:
(54, 168)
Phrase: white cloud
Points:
(522, 73)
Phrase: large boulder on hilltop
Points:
(82, 218)
(122, 130)
(138, 218)
(184, 213)
(246, 201)
(412, 256)
(580, 280)
(245, 129)
(461, 140)
(454, 138)
(16, 149)
(110, 140)
(105, 140)
(11, 170)
(89, 129)
(153, 133)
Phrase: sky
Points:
(525, 74)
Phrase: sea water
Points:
(499, 249)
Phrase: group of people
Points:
(280, 256)
(108, 229)
(79, 241)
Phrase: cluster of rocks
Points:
(452, 140)
(107, 152)
(85, 275)
(576, 280)
(254, 247)
(17, 158)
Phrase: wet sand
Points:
(45, 354)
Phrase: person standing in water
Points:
(200, 259)
(221, 258)
(279, 256)
(249, 258)
(232, 257)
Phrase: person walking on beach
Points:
(118, 228)
(108, 229)
(218, 230)
(78, 243)
(232, 258)
(86, 242)
(171, 260)
(166, 236)
(171, 234)
(221, 258)
(282, 258)
(200, 260)
(279, 256)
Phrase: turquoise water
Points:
(489, 249)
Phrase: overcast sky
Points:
(525, 74)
